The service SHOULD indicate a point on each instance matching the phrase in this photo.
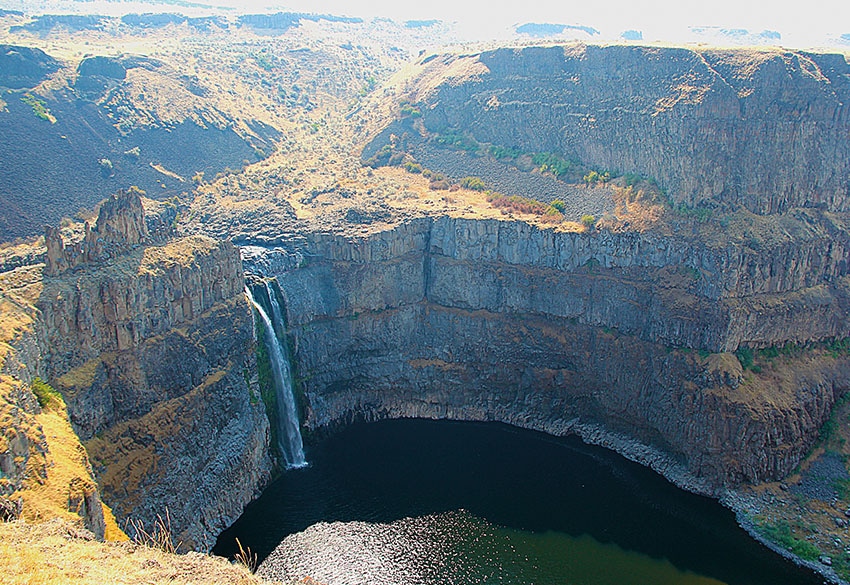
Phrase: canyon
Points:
(709, 346)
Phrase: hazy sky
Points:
(800, 21)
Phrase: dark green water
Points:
(438, 502)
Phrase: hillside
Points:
(94, 105)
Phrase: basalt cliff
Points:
(149, 339)
(762, 129)
(637, 338)
(592, 333)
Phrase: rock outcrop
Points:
(44, 471)
(593, 333)
(153, 353)
(120, 227)
(765, 129)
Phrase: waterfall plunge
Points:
(289, 431)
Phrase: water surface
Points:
(439, 502)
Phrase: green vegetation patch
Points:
(830, 428)
(39, 107)
(746, 356)
(755, 359)
(46, 395)
(268, 391)
(549, 162)
(504, 152)
(458, 141)
(781, 534)
(699, 214)
(596, 177)
(473, 183)
(408, 110)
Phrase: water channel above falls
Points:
(436, 502)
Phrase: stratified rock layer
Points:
(592, 333)
(765, 129)
(152, 348)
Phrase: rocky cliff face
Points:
(764, 129)
(44, 471)
(152, 348)
(592, 333)
(120, 227)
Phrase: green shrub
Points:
(588, 220)
(839, 347)
(746, 357)
(504, 153)
(413, 167)
(410, 111)
(594, 177)
(39, 108)
(46, 395)
(473, 183)
(559, 205)
(631, 179)
(457, 141)
(549, 162)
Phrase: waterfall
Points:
(289, 431)
(277, 315)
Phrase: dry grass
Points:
(56, 553)
(246, 558)
(159, 537)
(18, 291)
(68, 473)
(179, 252)
(81, 377)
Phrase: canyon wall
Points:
(765, 128)
(44, 471)
(623, 338)
(151, 345)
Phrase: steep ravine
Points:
(602, 334)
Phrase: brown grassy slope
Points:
(57, 553)
(48, 455)
(51, 474)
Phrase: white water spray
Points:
(289, 431)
